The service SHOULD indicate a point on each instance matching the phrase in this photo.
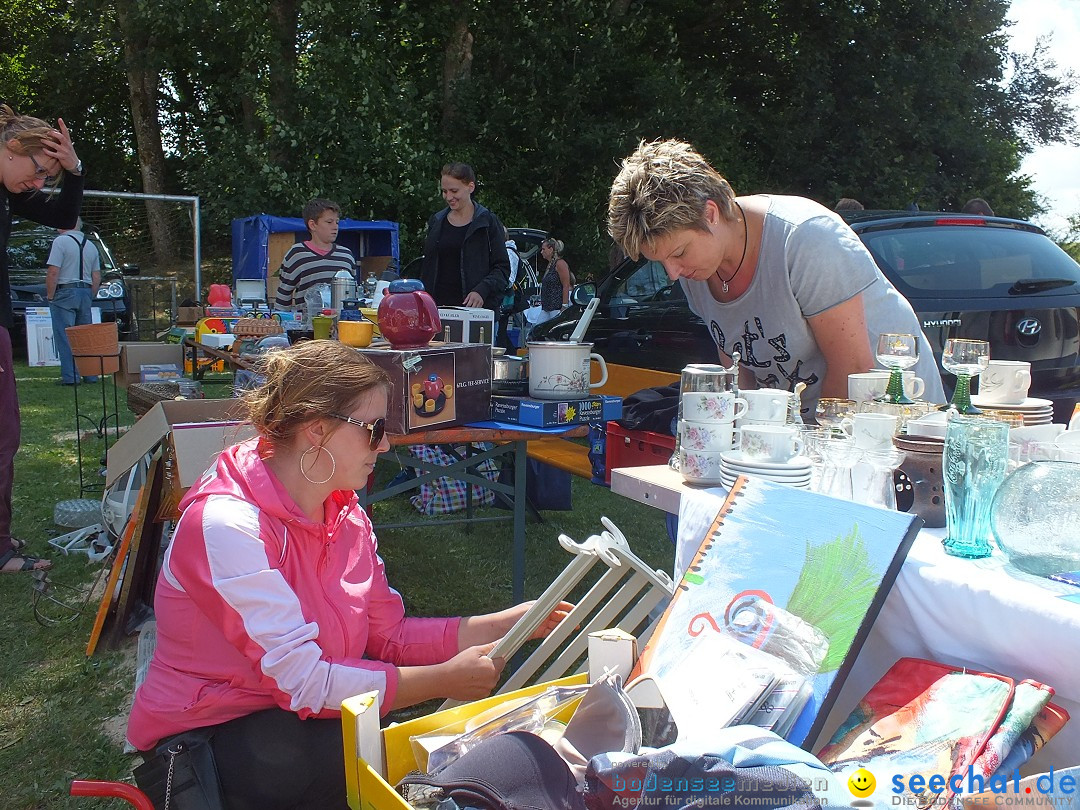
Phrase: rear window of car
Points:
(972, 260)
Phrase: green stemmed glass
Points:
(965, 359)
(897, 352)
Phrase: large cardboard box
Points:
(552, 413)
(135, 355)
(467, 325)
(437, 386)
(203, 428)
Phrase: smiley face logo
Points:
(861, 783)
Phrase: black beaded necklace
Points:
(746, 242)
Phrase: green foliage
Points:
(263, 105)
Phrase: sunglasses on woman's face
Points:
(377, 428)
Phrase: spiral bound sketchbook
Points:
(798, 578)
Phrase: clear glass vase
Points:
(1036, 517)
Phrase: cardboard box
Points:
(135, 355)
(553, 413)
(40, 342)
(188, 316)
(437, 386)
(467, 325)
(207, 426)
(217, 341)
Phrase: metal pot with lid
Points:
(509, 374)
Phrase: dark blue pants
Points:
(9, 437)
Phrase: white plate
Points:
(737, 459)
(1029, 404)
(799, 484)
(779, 475)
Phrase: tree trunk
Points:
(142, 91)
(284, 19)
(457, 65)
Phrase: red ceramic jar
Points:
(408, 316)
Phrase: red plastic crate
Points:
(635, 448)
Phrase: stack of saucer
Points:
(794, 472)
(1034, 410)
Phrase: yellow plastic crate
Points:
(367, 790)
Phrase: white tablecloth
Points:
(982, 614)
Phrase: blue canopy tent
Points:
(258, 239)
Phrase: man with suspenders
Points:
(71, 282)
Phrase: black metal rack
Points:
(99, 422)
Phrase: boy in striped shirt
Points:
(316, 260)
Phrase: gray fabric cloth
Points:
(76, 256)
(810, 261)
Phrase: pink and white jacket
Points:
(257, 606)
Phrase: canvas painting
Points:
(789, 574)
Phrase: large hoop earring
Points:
(304, 472)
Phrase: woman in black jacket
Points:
(32, 154)
(465, 258)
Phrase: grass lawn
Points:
(61, 714)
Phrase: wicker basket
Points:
(141, 397)
(256, 327)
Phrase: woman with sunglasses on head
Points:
(272, 604)
(33, 153)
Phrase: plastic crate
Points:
(635, 448)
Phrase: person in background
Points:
(33, 154)
(977, 205)
(465, 260)
(782, 280)
(272, 602)
(512, 301)
(848, 204)
(315, 260)
(556, 282)
(71, 282)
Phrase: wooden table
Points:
(232, 360)
(509, 441)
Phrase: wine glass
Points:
(897, 352)
(965, 359)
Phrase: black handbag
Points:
(182, 774)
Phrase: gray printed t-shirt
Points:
(810, 261)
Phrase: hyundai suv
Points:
(986, 278)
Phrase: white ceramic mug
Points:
(562, 370)
(866, 386)
(712, 407)
(710, 436)
(699, 466)
(766, 405)
(913, 386)
(871, 431)
(1005, 382)
(774, 443)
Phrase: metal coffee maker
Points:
(343, 289)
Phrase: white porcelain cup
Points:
(699, 466)
(720, 406)
(871, 431)
(709, 436)
(562, 370)
(1005, 382)
(775, 443)
(766, 405)
(866, 386)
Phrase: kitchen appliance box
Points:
(554, 413)
(467, 325)
(435, 387)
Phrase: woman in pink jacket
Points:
(272, 603)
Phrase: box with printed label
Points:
(435, 387)
(40, 344)
(467, 325)
(551, 413)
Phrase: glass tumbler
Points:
(975, 459)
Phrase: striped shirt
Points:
(303, 268)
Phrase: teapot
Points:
(408, 316)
